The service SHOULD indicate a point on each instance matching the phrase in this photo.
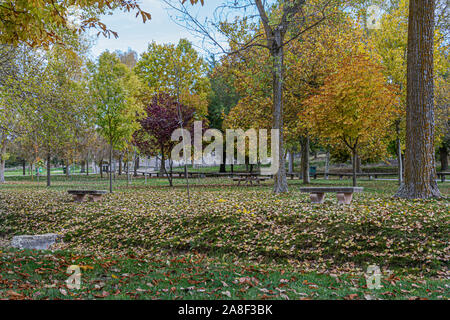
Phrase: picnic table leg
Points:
(95, 197)
(317, 197)
(78, 197)
(344, 198)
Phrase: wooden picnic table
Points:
(94, 195)
(442, 175)
(249, 178)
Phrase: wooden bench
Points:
(250, 179)
(344, 194)
(442, 175)
(94, 195)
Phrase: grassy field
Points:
(145, 241)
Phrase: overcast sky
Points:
(136, 35)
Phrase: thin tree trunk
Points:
(128, 171)
(443, 153)
(400, 164)
(120, 164)
(162, 167)
(291, 161)
(110, 167)
(49, 174)
(24, 167)
(136, 165)
(420, 167)
(358, 164)
(67, 169)
(305, 160)
(280, 183)
(101, 168)
(223, 167)
(2, 169)
(354, 166)
(2, 162)
(327, 164)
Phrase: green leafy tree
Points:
(116, 109)
(178, 70)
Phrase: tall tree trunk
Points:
(24, 167)
(277, 53)
(136, 165)
(291, 161)
(128, 171)
(120, 164)
(327, 164)
(305, 159)
(2, 168)
(354, 166)
(101, 168)
(223, 167)
(49, 174)
(87, 165)
(162, 167)
(110, 167)
(67, 169)
(420, 167)
(399, 154)
(443, 153)
(3, 157)
(358, 164)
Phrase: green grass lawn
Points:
(145, 241)
(42, 275)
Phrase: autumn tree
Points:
(161, 119)
(223, 97)
(273, 35)
(308, 61)
(20, 86)
(116, 109)
(443, 121)
(42, 22)
(353, 106)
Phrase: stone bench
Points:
(94, 195)
(344, 194)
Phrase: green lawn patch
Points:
(42, 275)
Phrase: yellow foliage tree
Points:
(354, 106)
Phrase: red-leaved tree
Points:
(162, 118)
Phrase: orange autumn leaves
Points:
(355, 105)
